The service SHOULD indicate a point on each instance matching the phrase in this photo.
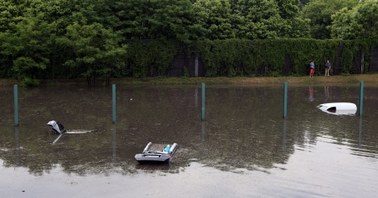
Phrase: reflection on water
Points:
(311, 94)
(18, 148)
(243, 138)
(114, 142)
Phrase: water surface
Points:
(243, 149)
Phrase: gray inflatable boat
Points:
(157, 153)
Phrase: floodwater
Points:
(243, 149)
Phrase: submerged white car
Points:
(338, 108)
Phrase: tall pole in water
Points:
(114, 103)
(285, 101)
(15, 103)
(361, 99)
(203, 109)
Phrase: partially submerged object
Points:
(56, 126)
(157, 153)
(338, 108)
(58, 129)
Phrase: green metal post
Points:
(361, 101)
(203, 109)
(114, 103)
(15, 103)
(285, 101)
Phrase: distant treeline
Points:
(116, 38)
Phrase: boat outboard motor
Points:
(56, 126)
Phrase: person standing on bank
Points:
(312, 69)
(327, 68)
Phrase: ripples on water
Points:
(243, 149)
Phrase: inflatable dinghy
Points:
(157, 153)
(338, 108)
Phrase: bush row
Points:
(233, 57)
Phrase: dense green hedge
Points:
(233, 57)
(236, 57)
(281, 56)
(149, 58)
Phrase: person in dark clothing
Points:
(327, 68)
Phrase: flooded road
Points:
(243, 149)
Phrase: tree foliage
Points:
(360, 22)
(110, 38)
(367, 16)
(320, 14)
(155, 19)
(95, 50)
(215, 18)
(46, 36)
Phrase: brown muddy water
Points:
(243, 149)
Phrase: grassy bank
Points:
(369, 79)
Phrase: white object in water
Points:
(56, 126)
(79, 131)
(338, 108)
